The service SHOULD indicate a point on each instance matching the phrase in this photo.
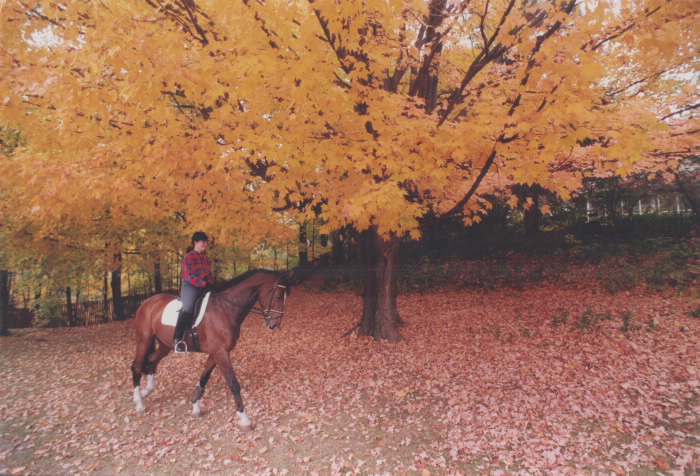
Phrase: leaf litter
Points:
(543, 381)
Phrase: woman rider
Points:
(196, 275)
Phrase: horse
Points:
(229, 304)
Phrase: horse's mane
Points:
(224, 285)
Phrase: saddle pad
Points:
(172, 310)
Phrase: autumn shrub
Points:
(655, 225)
(627, 322)
(675, 265)
(427, 274)
(658, 262)
(592, 253)
(560, 318)
(590, 319)
(49, 312)
(649, 246)
(336, 280)
(614, 281)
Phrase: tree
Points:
(4, 302)
(688, 184)
(442, 105)
(234, 117)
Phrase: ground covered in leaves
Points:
(539, 381)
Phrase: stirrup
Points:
(180, 347)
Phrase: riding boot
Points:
(183, 322)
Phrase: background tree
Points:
(4, 302)
(688, 183)
(236, 117)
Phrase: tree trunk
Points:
(691, 192)
(117, 289)
(69, 307)
(4, 303)
(336, 249)
(105, 295)
(533, 216)
(158, 277)
(380, 316)
(303, 247)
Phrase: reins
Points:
(268, 313)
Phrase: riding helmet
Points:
(200, 236)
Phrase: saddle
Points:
(172, 311)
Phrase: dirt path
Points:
(535, 382)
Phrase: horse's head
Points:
(272, 298)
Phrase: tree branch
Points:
(185, 15)
(568, 8)
(38, 14)
(682, 110)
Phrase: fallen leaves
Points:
(468, 390)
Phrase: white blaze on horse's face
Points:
(273, 306)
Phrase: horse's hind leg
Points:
(144, 346)
(199, 389)
(155, 355)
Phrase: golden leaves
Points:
(328, 96)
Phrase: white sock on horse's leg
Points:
(140, 407)
(243, 419)
(150, 385)
(196, 409)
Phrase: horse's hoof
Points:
(246, 428)
(141, 412)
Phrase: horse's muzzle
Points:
(272, 324)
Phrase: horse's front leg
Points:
(224, 362)
(199, 389)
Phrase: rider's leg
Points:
(188, 296)
(184, 320)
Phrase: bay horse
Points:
(229, 305)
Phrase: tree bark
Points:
(691, 192)
(69, 307)
(4, 303)
(158, 276)
(105, 295)
(533, 215)
(380, 315)
(303, 246)
(117, 289)
(337, 254)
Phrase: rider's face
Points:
(200, 246)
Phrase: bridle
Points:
(266, 312)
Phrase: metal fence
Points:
(83, 313)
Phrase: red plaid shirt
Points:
(196, 269)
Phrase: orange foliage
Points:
(375, 113)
